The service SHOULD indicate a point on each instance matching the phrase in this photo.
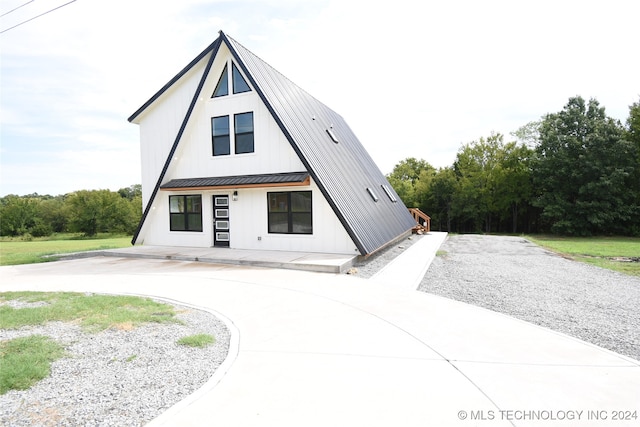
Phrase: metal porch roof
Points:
(273, 179)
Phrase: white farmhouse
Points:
(236, 155)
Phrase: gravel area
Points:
(366, 268)
(513, 276)
(116, 377)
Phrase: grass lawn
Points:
(621, 254)
(16, 251)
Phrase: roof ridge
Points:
(273, 69)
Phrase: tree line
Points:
(574, 172)
(87, 211)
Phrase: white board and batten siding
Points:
(160, 123)
(248, 224)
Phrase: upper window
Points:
(185, 213)
(222, 88)
(243, 124)
(238, 82)
(290, 212)
(242, 135)
(220, 136)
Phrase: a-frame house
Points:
(236, 155)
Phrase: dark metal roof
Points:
(242, 180)
(332, 154)
(342, 170)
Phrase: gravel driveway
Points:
(513, 276)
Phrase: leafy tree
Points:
(632, 134)
(131, 192)
(405, 177)
(17, 214)
(528, 134)
(99, 211)
(514, 181)
(54, 213)
(478, 167)
(439, 198)
(583, 170)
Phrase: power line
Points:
(38, 16)
(16, 8)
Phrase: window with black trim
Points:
(239, 83)
(220, 136)
(290, 212)
(222, 88)
(243, 127)
(185, 213)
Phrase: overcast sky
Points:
(412, 78)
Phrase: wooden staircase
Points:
(423, 221)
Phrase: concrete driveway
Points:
(318, 349)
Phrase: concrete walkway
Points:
(412, 264)
(317, 349)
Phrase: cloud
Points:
(412, 78)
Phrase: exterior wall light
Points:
(235, 196)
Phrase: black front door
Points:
(221, 235)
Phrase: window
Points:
(239, 83)
(372, 194)
(222, 88)
(220, 136)
(290, 212)
(243, 133)
(185, 213)
(389, 193)
(332, 135)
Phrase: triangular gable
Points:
(344, 172)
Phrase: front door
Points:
(221, 221)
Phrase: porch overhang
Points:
(291, 179)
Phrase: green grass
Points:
(18, 251)
(613, 253)
(26, 360)
(198, 340)
(94, 312)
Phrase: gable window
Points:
(220, 136)
(290, 212)
(243, 124)
(185, 213)
(222, 88)
(239, 83)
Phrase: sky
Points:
(413, 78)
